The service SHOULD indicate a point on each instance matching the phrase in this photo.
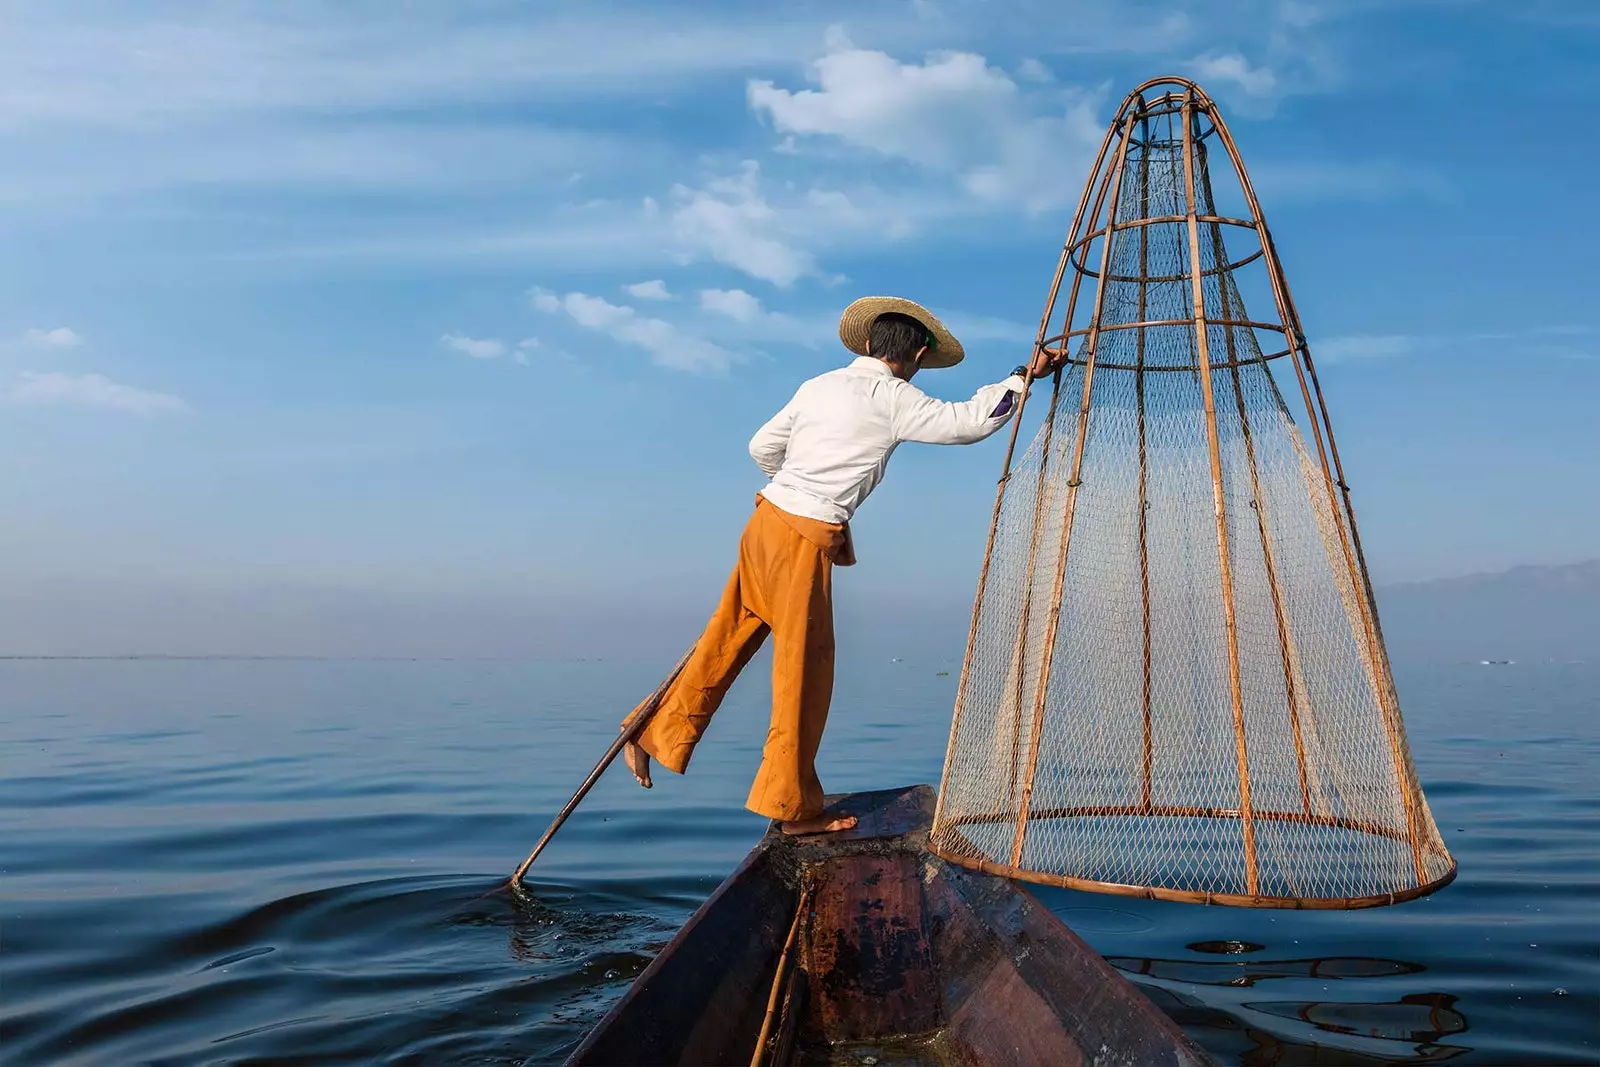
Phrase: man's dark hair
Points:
(896, 338)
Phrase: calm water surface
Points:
(287, 862)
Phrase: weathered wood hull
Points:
(897, 958)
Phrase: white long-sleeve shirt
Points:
(828, 448)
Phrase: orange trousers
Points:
(782, 585)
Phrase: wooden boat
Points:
(861, 948)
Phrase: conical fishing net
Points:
(1158, 701)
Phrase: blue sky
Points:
(436, 300)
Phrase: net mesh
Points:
(1103, 736)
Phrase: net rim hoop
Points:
(1196, 896)
(1192, 896)
(1078, 252)
(1167, 278)
(1074, 361)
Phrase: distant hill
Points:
(1528, 614)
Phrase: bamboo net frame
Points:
(1175, 683)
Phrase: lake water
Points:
(286, 862)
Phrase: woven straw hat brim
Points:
(856, 322)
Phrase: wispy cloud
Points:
(147, 64)
(987, 328)
(778, 230)
(666, 344)
(475, 347)
(1370, 346)
(735, 304)
(256, 95)
(1350, 179)
(91, 391)
(730, 221)
(1233, 69)
(59, 337)
(651, 290)
(1567, 342)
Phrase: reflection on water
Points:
(1249, 972)
(1226, 948)
(1422, 1018)
(1242, 1037)
(1405, 1030)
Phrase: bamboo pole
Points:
(1037, 724)
(1286, 648)
(784, 960)
(1224, 558)
(631, 728)
(1144, 473)
(1017, 667)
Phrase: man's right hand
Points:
(1044, 363)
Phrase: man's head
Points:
(901, 342)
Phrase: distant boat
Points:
(860, 947)
(1496, 662)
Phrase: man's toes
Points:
(638, 763)
(821, 824)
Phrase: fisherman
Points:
(824, 452)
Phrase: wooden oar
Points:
(800, 911)
(631, 728)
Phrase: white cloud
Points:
(1234, 69)
(1368, 346)
(91, 391)
(1350, 179)
(731, 221)
(952, 113)
(972, 328)
(60, 337)
(651, 290)
(667, 344)
(1530, 343)
(477, 348)
(139, 64)
(775, 235)
(736, 304)
(528, 343)
(1034, 71)
(145, 98)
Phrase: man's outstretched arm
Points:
(919, 417)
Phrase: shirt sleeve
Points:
(919, 417)
(771, 442)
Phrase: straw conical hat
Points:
(856, 323)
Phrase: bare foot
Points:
(819, 824)
(638, 763)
